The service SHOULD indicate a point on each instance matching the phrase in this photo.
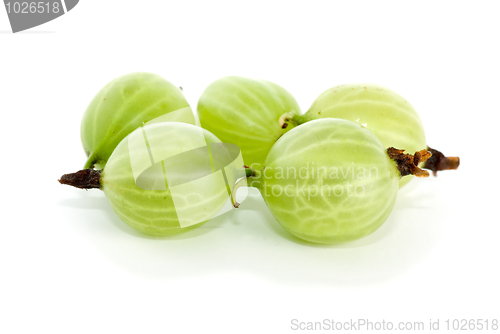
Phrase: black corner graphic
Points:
(24, 15)
(70, 4)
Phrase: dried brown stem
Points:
(83, 179)
(408, 163)
(439, 161)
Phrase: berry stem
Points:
(91, 161)
(240, 183)
(83, 179)
(439, 161)
(252, 179)
(292, 117)
(408, 163)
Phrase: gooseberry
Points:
(123, 105)
(245, 112)
(165, 178)
(331, 180)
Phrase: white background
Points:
(69, 265)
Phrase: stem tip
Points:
(83, 179)
(439, 161)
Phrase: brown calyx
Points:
(408, 163)
(83, 179)
(439, 161)
(284, 119)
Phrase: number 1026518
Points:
(33, 7)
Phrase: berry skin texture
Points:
(122, 106)
(329, 181)
(152, 211)
(381, 110)
(245, 112)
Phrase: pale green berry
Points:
(329, 181)
(245, 112)
(152, 188)
(122, 106)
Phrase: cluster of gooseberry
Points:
(329, 175)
